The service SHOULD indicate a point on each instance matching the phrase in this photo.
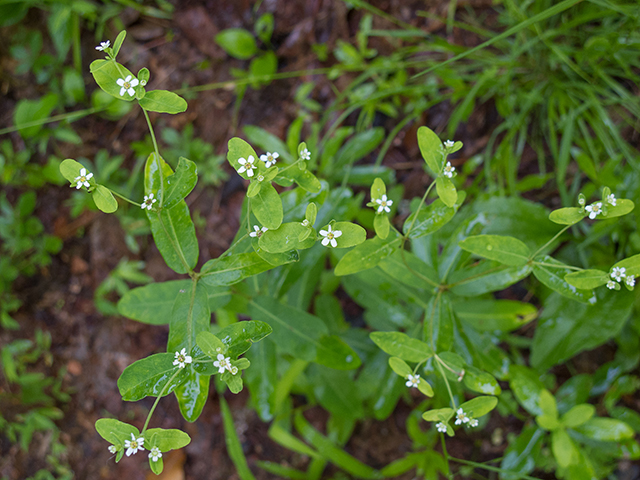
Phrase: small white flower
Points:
(330, 237)
(155, 454)
(113, 449)
(222, 363)
(233, 370)
(413, 380)
(305, 223)
(449, 144)
(134, 445)
(258, 231)
(461, 375)
(618, 273)
(260, 178)
(611, 199)
(247, 165)
(384, 204)
(448, 170)
(594, 209)
(611, 285)
(182, 358)
(83, 178)
(581, 201)
(148, 202)
(630, 280)
(103, 46)
(127, 85)
(305, 154)
(269, 159)
(461, 417)
(143, 83)
(473, 422)
(442, 427)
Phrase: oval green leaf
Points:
(503, 249)
(104, 199)
(587, 279)
(163, 101)
(567, 216)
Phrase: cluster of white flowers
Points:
(413, 381)
(182, 359)
(257, 231)
(148, 202)
(83, 179)
(269, 159)
(247, 165)
(127, 84)
(595, 209)
(619, 274)
(384, 204)
(330, 237)
(224, 363)
(462, 418)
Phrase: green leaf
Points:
(481, 382)
(563, 448)
(311, 213)
(438, 415)
(163, 101)
(27, 111)
(181, 183)
(358, 147)
(192, 395)
(238, 337)
(547, 404)
(492, 315)
(553, 277)
(284, 238)
(506, 250)
(150, 376)
(117, 44)
(578, 415)
(210, 344)
(104, 199)
(238, 148)
(189, 316)
(115, 431)
(378, 189)
(237, 42)
(622, 207)
(333, 352)
(277, 259)
(587, 279)
(400, 367)
(423, 275)
(233, 268)
(526, 386)
(262, 378)
(431, 149)
(267, 207)
(234, 448)
(166, 439)
(279, 435)
(296, 332)
(431, 218)
(631, 264)
(106, 73)
(172, 229)
(606, 429)
(439, 331)
(352, 234)
(479, 406)
(567, 216)
(336, 392)
(521, 455)
(70, 169)
(446, 191)
(304, 178)
(366, 255)
(566, 328)
(401, 345)
(381, 226)
(486, 276)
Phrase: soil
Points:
(94, 349)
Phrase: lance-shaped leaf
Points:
(190, 315)
(526, 386)
(150, 376)
(606, 429)
(367, 255)
(481, 382)
(151, 303)
(238, 337)
(521, 455)
(104, 199)
(285, 238)
(181, 183)
(421, 275)
(479, 406)
(553, 277)
(267, 207)
(400, 345)
(118, 42)
(567, 216)
(486, 276)
(106, 73)
(431, 149)
(439, 322)
(335, 353)
(446, 191)
(277, 259)
(166, 439)
(503, 249)
(296, 332)
(587, 279)
(335, 392)
(431, 218)
(622, 207)
(262, 379)
(192, 394)
(233, 268)
(163, 101)
(492, 315)
(400, 367)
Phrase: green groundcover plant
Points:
(432, 321)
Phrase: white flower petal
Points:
(337, 233)
(325, 242)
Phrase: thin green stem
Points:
(126, 199)
(155, 148)
(155, 404)
(415, 216)
(289, 166)
(63, 116)
(563, 267)
(446, 454)
(446, 382)
(511, 473)
(550, 241)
